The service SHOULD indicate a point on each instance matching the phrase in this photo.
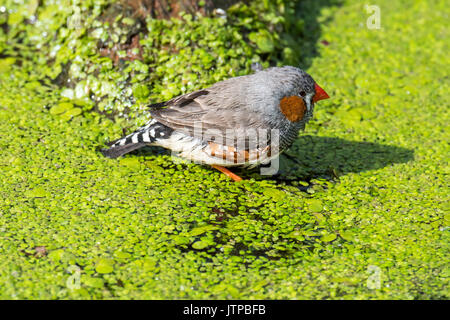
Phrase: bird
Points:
(244, 121)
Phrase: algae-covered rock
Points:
(122, 55)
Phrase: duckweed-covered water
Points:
(359, 209)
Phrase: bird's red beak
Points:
(320, 94)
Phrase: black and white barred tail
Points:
(146, 135)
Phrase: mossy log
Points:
(171, 8)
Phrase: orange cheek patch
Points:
(293, 108)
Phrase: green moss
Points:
(359, 210)
(77, 40)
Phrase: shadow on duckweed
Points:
(312, 157)
(310, 11)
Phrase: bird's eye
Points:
(303, 93)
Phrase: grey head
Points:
(266, 88)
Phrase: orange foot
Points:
(224, 170)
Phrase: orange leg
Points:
(230, 174)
